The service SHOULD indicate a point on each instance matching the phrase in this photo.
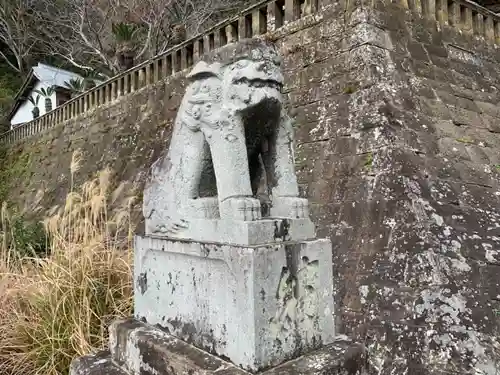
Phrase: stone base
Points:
(256, 305)
(246, 232)
(137, 348)
(97, 364)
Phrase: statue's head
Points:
(238, 76)
(254, 78)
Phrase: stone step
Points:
(143, 349)
(140, 348)
(97, 364)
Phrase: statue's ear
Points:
(204, 70)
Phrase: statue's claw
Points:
(167, 226)
(242, 208)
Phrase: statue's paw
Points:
(244, 209)
(290, 207)
(165, 226)
(173, 227)
(254, 209)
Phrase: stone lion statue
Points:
(231, 140)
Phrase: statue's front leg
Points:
(280, 168)
(230, 161)
(171, 198)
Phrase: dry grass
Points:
(59, 307)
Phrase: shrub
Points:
(10, 82)
(22, 238)
(56, 308)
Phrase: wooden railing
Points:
(267, 15)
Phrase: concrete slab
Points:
(256, 305)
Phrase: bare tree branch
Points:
(81, 31)
(15, 15)
(7, 60)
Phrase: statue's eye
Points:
(195, 86)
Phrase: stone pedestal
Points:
(255, 305)
(232, 286)
(138, 348)
(239, 232)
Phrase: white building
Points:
(40, 76)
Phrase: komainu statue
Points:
(231, 142)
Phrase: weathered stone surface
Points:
(410, 212)
(139, 348)
(157, 352)
(231, 133)
(257, 306)
(99, 364)
(255, 232)
(340, 358)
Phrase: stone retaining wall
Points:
(398, 149)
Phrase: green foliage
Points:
(12, 169)
(350, 89)
(28, 239)
(92, 75)
(368, 162)
(10, 82)
(75, 85)
(465, 140)
(89, 79)
(46, 92)
(34, 100)
(124, 32)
